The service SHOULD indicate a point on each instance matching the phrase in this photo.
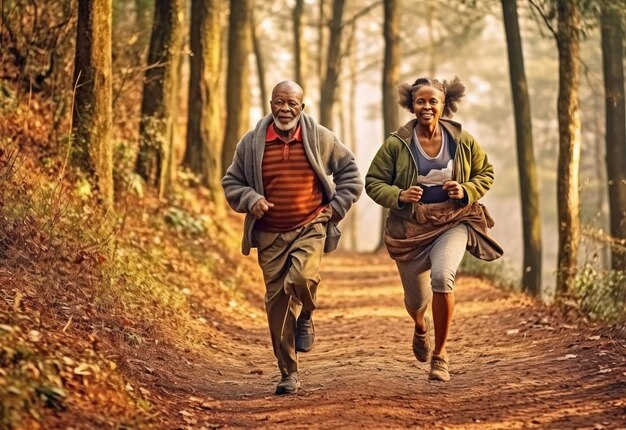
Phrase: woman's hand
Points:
(454, 190)
(411, 195)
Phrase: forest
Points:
(125, 301)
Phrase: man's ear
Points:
(303, 106)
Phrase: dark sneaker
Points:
(305, 334)
(422, 347)
(288, 384)
(439, 369)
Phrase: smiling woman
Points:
(431, 173)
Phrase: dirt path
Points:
(514, 364)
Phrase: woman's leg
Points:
(417, 294)
(415, 278)
(445, 258)
(443, 308)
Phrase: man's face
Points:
(286, 107)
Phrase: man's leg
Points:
(282, 310)
(303, 278)
(290, 263)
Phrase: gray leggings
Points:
(433, 269)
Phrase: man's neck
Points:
(286, 135)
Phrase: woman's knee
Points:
(416, 305)
(442, 281)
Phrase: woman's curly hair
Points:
(453, 92)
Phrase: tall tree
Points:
(155, 161)
(333, 63)
(237, 85)
(322, 29)
(391, 75)
(203, 154)
(300, 47)
(613, 66)
(527, 170)
(260, 64)
(143, 16)
(568, 113)
(92, 115)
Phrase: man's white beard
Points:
(285, 127)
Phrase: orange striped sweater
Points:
(289, 183)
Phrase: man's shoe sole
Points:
(301, 348)
(281, 391)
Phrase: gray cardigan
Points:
(243, 182)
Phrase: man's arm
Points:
(239, 193)
(348, 182)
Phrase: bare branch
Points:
(361, 13)
(536, 9)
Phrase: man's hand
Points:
(261, 207)
(411, 195)
(454, 190)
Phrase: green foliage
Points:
(8, 100)
(498, 272)
(184, 221)
(124, 176)
(131, 283)
(601, 294)
(29, 381)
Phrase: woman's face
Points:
(428, 105)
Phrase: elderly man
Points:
(281, 178)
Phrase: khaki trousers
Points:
(290, 263)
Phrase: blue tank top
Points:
(434, 171)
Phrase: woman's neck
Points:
(428, 132)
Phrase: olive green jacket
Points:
(394, 168)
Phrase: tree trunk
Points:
(353, 219)
(260, 65)
(321, 40)
(92, 115)
(529, 187)
(204, 127)
(332, 65)
(160, 96)
(432, 49)
(237, 85)
(300, 47)
(143, 17)
(391, 76)
(568, 205)
(613, 66)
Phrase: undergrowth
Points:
(497, 272)
(601, 294)
(76, 282)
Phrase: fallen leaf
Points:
(83, 369)
(567, 357)
(6, 328)
(34, 336)
(512, 331)
(68, 361)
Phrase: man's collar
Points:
(272, 135)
